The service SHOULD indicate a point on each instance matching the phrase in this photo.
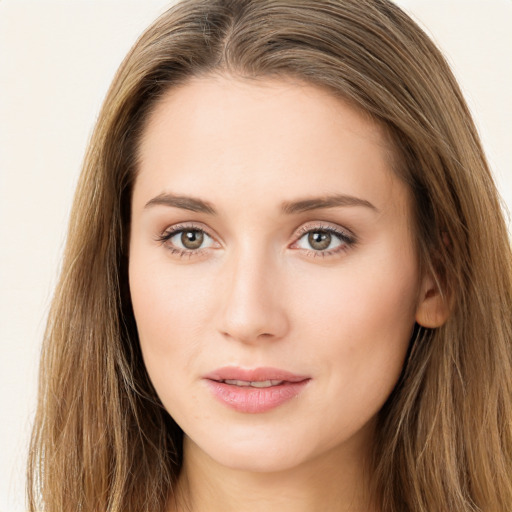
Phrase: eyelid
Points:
(346, 236)
(345, 233)
(164, 236)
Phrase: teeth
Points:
(237, 382)
(265, 383)
(254, 384)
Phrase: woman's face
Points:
(272, 270)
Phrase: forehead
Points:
(219, 136)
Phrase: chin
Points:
(256, 459)
(260, 449)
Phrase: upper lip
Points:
(254, 374)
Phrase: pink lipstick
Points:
(254, 391)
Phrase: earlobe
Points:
(434, 307)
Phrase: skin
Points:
(257, 293)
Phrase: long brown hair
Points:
(102, 440)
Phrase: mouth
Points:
(254, 391)
(254, 383)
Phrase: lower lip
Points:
(255, 400)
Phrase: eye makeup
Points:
(314, 239)
(187, 240)
(323, 239)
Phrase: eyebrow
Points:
(315, 203)
(288, 207)
(184, 202)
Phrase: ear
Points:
(434, 307)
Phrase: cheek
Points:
(361, 323)
(172, 311)
(360, 303)
(169, 309)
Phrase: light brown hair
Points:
(102, 440)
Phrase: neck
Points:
(336, 482)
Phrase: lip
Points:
(248, 399)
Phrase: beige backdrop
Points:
(56, 61)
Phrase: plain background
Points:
(57, 59)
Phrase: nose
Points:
(253, 306)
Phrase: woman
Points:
(287, 281)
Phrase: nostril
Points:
(246, 336)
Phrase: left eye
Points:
(320, 240)
(189, 239)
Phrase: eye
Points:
(323, 240)
(183, 239)
(319, 240)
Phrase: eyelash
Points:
(165, 237)
(346, 238)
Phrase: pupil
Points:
(319, 240)
(192, 239)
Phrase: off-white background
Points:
(56, 61)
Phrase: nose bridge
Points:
(253, 307)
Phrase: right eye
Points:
(186, 240)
